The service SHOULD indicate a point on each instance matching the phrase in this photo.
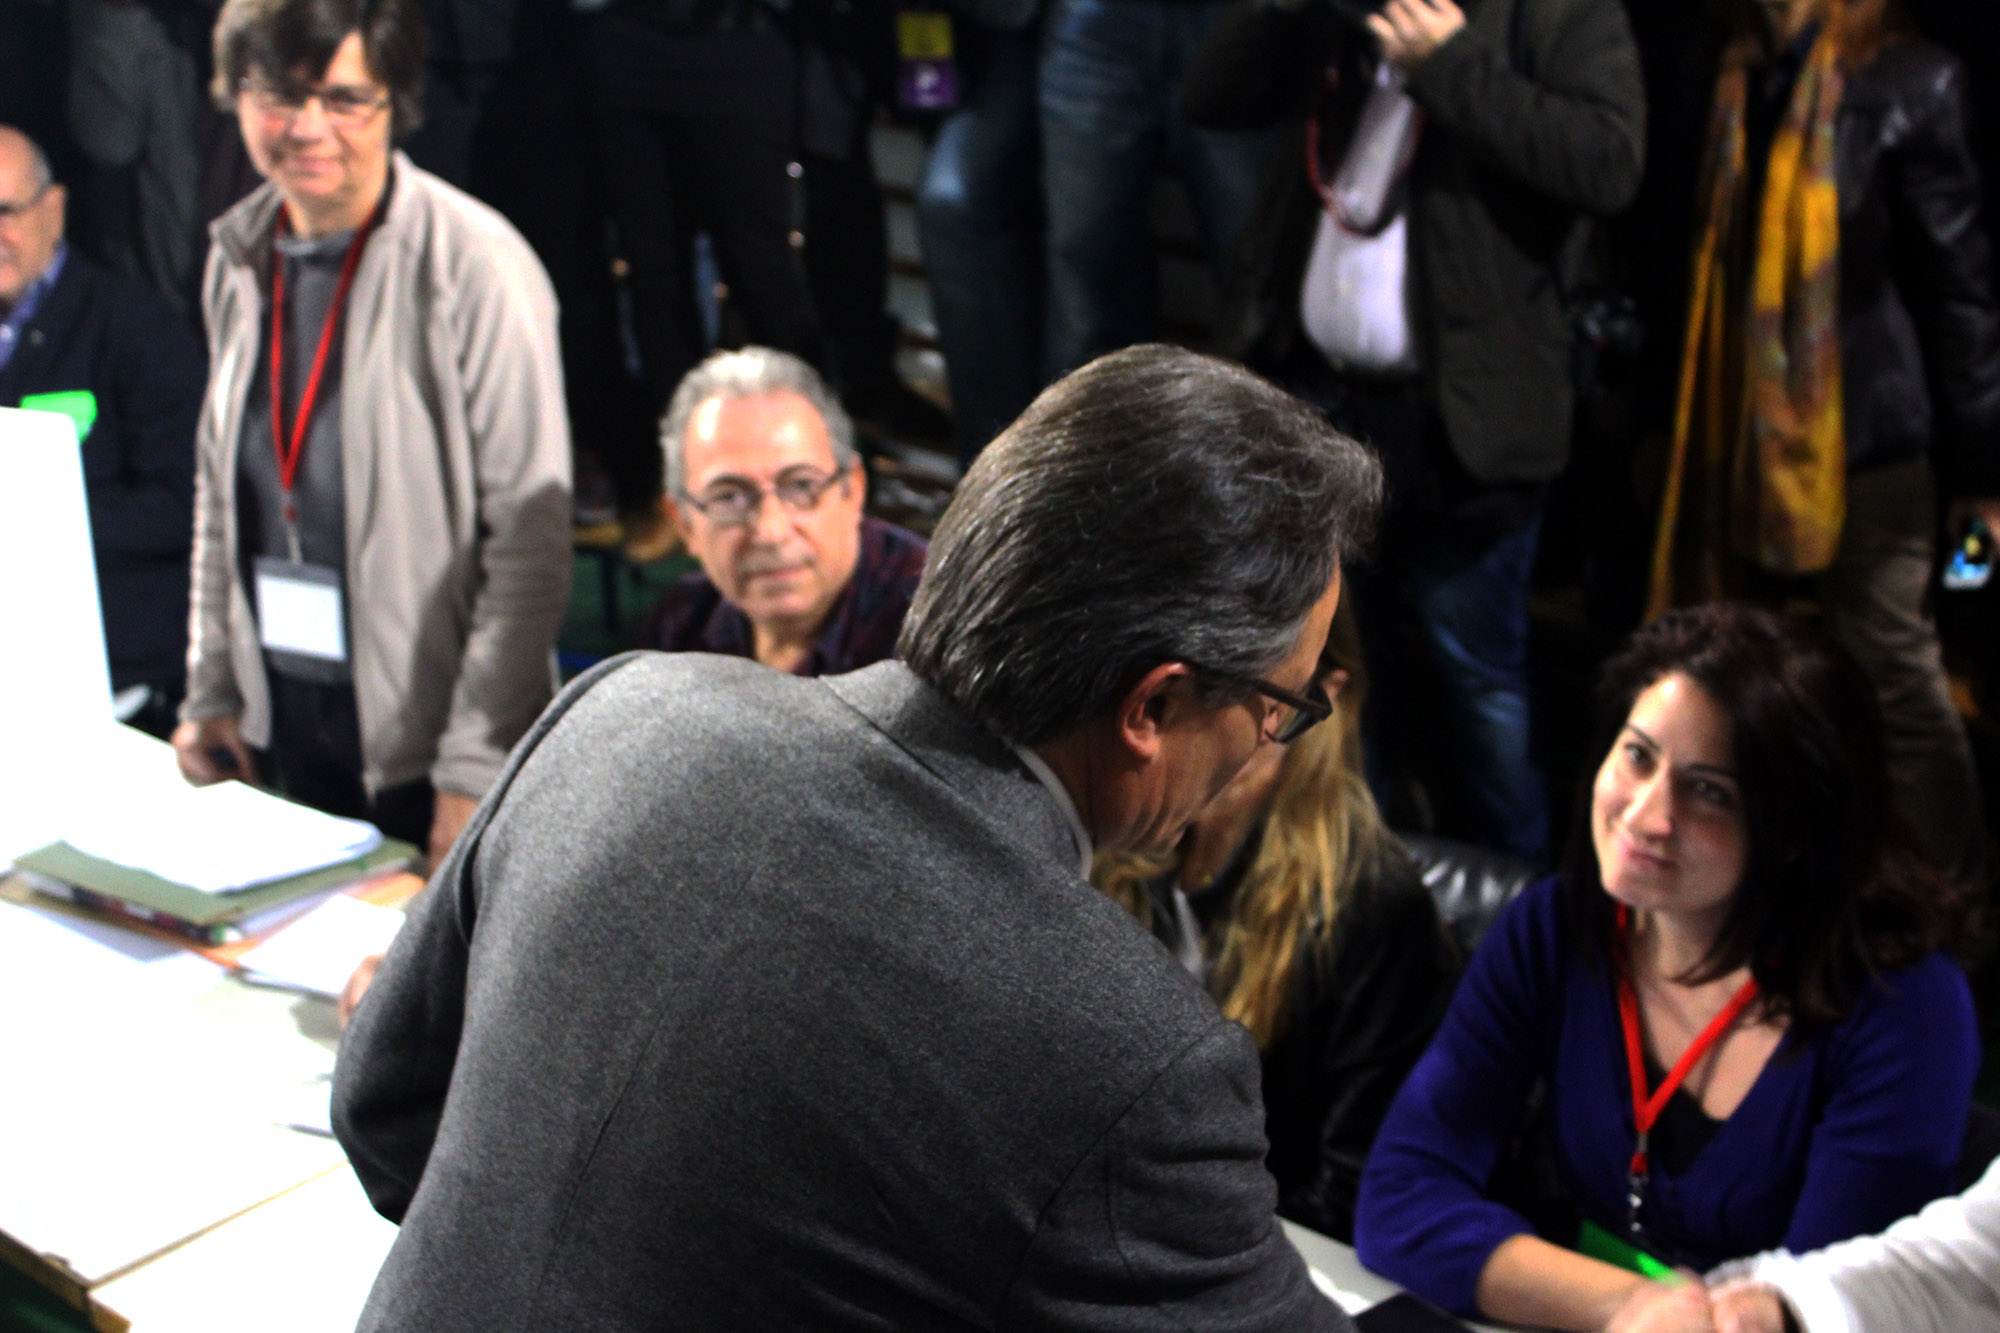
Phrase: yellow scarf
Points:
(1758, 471)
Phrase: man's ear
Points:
(859, 472)
(1147, 707)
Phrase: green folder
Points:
(62, 862)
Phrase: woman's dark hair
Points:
(280, 40)
(1155, 506)
(1833, 887)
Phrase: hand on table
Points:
(212, 750)
(1411, 30)
(1748, 1307)
(450, 813)
(356, 987)
(1659, 1307)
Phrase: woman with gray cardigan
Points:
(382, 505)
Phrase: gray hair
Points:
(1155, 506)
(750, 372)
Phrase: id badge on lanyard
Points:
(301, 610)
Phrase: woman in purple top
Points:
(1746, 913)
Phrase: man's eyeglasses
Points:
(1295, 714)
(343, 105)
(729, 503)
(9, 212)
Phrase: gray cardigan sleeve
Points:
(512, 376)
(1168, 1221)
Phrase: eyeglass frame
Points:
(1306, 713)
(759, 493)
(15, 212)
(277, 103)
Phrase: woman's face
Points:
(1667, 809)
(326, 144)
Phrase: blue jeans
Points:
(1443, 610)
(1473, 618)
(1110, 91)
(980, 210)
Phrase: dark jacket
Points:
(754, 1002)
(860, 628)
(120, 341)
(1534, 117)
(1362, 1011)
(1919, 327)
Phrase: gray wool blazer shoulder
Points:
(753, 1002)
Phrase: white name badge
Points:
(299, 610)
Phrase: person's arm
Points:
(1371, 1011)
(1575, 129)
(1171, 1215)
(397, 1054)
(1531, 1282)
(1257, 65)
(1937, 1272)
(401, 1043)
(145, 505)
(117, 56)
(1934, 189)
(511, 374)
(211, 679)
(1423, 1219)
(1899, 1075)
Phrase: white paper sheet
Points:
(319, 951)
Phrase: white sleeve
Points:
(1935, 1272)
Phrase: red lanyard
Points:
(1646, 1109)
(291, 447)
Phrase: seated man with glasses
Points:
(111, 354)
(761, 473)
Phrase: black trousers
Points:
(315, 759)
(696, 132)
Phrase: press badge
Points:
(300, 610)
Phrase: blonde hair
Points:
(1321, 835)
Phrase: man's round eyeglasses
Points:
(9, 212)
(730, 503)
(1295, 714)
(343, 105)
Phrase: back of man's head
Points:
(1156, 505)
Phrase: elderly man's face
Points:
(32, 223)
(785, 565)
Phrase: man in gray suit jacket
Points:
(755, 1002)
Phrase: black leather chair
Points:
(1469, 884)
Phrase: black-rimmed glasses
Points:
(730, 503)
(342, 105)
(1296, 714)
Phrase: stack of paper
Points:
(220, 839)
